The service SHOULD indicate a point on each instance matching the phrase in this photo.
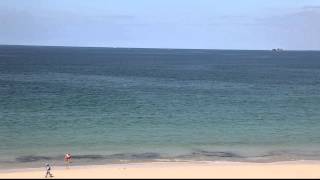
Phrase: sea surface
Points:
(122, 105)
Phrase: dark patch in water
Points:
(216, 154)
(146, 156)
(32, 158)
(26, 159)
(94, 157)
(134, 156)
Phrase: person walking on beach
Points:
(67, 159)
(48, 169)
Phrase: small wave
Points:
(120, 156)
(217, 154)
(271, 156)
(32, 158)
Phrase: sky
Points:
(191, 24)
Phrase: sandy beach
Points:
(299, 169)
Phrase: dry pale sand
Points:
(301, 169)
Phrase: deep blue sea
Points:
(120, 105)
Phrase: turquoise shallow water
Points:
(111, 105)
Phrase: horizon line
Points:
(123, 47)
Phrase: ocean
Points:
(122, 105)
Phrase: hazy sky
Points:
(216, 24)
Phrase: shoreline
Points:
(201, 169)
(161, 161)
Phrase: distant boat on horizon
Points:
(277, 50)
